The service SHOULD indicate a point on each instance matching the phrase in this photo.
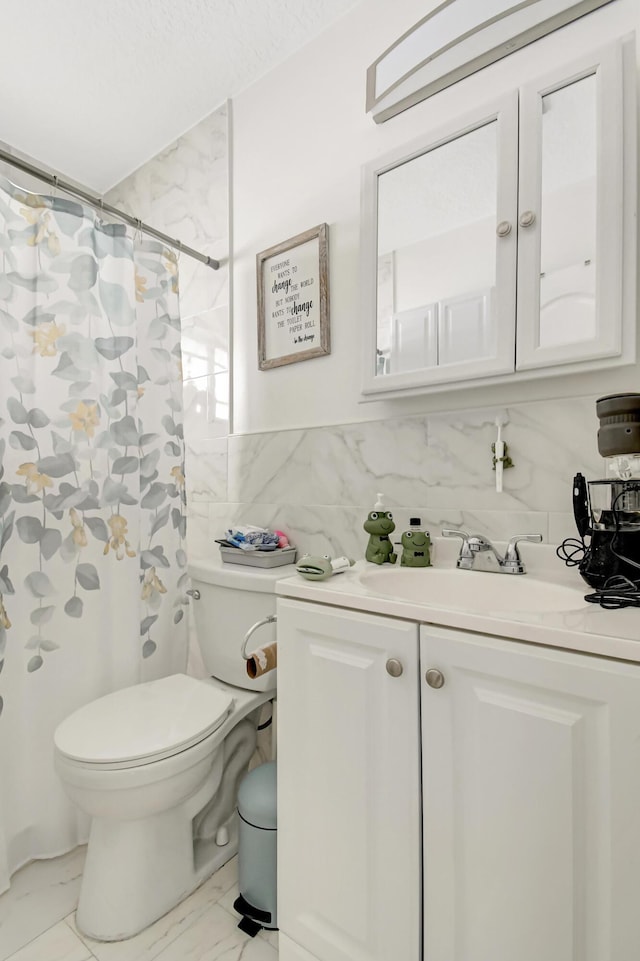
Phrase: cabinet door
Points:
(439, 238)
(348, 784)
(531, 780)
(572, 208)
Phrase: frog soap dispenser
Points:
(379, 525)
(416, 546)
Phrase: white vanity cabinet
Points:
(524, 761)
(349, 859)
(502, 245)
(531, 802)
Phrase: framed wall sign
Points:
(293, 299)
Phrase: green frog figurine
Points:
(378, 525)
(416, 549)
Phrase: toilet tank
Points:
(231, 600)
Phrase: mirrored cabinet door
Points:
(570, 215)
(443, 241)
(536, 193)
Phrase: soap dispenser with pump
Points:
(416, 546)
(378, 525)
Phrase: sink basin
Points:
(474, 590)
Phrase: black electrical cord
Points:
(618, 592)
(572, 551)
(268, 722)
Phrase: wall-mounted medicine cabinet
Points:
(502, 245)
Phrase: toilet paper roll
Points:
(263, 660)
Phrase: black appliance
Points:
(607, 511)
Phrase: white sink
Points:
(474, 590)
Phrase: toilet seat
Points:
(144, 723)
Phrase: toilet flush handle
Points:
(194, 593)
(271, 619)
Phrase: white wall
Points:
(300, 136)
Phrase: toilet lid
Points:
(156, 719)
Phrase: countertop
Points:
(587, 628)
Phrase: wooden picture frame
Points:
(293, 299)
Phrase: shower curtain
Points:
(92, 505)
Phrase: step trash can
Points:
(257, 857)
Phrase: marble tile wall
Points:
(184, 192)
(319, 484)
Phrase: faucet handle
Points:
(465, 557)
(512, 554)
(464, 547)
(449, 533)
(470, 542)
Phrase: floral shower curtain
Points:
(92, 507)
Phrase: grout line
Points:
(72, 927)
(151, 951)
(46, 931)
(27, 943)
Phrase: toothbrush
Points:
(499, 455)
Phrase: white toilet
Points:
(157, 765)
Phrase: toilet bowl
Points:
(156, 766)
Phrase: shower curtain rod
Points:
(54, 181)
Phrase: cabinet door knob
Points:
(434, 678)
(394, 667)
(527, 218)
(503, 229)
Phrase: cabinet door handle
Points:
(394, 667)
(434, 678)
(503, 229)
(527, 218)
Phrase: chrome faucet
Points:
(478, 554)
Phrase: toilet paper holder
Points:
(270, 619)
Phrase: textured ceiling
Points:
(94, 88)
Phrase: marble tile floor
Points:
(40, 895)
(201, 928)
